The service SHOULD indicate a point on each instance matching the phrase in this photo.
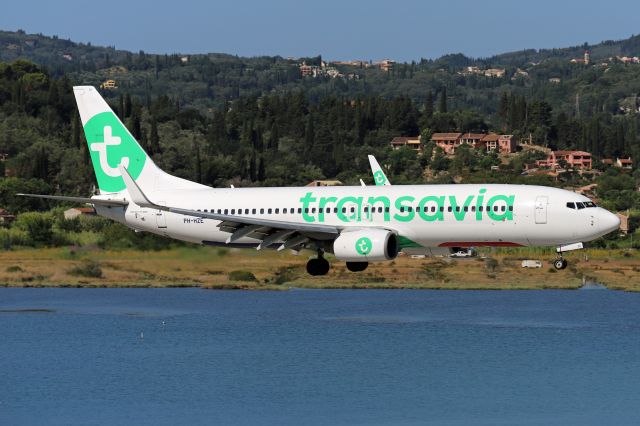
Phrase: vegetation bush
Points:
(242, 276)
(286, 274)
(88, 269)
(38, 227)
(491, 264)
(13, 237)
(434, 271)
(119, 237)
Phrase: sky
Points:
(403, 30)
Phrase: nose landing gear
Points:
(560, 263)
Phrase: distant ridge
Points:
(55, 52)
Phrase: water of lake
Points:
(318, 357)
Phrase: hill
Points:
(209, 80)
(221, 119)
(600, 51)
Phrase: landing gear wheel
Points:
(560, 263)
(357, 266)
(317, 267)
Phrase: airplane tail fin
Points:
(111, 145)
(378, 175)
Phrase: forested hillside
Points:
(220, 119)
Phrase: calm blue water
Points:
(319, 357)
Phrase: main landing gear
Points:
(318, 266)
(357, 266)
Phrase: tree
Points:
(75, 131)
(127, 108)
(11, 186)
(440, 162)
(37, 226)
(442, 108)
(428, 106)
(135, 124)
(154, 138)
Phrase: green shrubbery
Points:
(491, 264)
(88, 269)
(242, 276)
(51, 229)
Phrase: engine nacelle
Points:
(366, 245)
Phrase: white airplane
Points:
(358, 224)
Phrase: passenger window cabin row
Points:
(366, 209)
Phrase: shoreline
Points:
(235, 269)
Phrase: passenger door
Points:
(541, 209)
(161, 219)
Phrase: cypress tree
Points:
(443, 100)
(75, 130)
(154, 139)
(121, 107)
(309, 134)
(127, 105)
(252, 167)
(261, 170)
(428, 106)
(198, 161)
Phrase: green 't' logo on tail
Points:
(364, 246)
(379, 177)
(111, 144)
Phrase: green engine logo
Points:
(110, 144)
(364, 246)
(379, 178)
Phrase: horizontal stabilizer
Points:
(136, 194)
(95, 201)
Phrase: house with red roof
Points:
(578, 160)
(412, 142)
(447, 141)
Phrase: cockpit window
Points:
(571, 205)
(590, 204)
(580, 206)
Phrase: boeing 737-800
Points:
(358, 224)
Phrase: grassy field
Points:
(247, 269)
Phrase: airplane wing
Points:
(116, 202)
(290, 234)
(378, 175)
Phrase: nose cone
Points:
(608, 222)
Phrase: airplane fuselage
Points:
(421, 215)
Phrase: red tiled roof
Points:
(571, 153)
(85, 209)
(473, 136)
(491, 137)
(403, 140)
(445, 136)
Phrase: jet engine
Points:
(366, 245)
